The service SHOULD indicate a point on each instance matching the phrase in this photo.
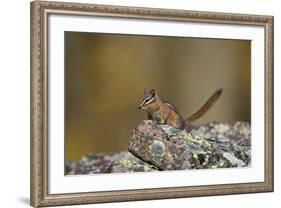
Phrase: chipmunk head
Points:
(148, 99)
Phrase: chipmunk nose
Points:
(139, 106)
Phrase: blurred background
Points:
(106, 75)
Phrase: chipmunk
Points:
(165, 113)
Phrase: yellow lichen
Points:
(127, 163)
(169, 156)
(221, 164)
(196, 139)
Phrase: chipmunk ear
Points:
(152, 92)
(146, 92)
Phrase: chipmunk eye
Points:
(146, 100)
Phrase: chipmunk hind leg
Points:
(175, 120)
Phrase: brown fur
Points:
(165, 113)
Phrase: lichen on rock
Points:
(154, 147)
(118, 162)
(129, 163)
(169, 148)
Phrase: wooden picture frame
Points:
(40, 11)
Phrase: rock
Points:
(209, 146)
(160, 147)
(107, 163)
(233, 160)
(238, 133)
(129, 163)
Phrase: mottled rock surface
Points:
(129, 163)
(107, 163)
(239, 133)
(214, 145)
(155, 147)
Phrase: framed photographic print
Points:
(140, 103)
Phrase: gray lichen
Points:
(168, 148)
(129, 163)
(155, 147)
(118, 162)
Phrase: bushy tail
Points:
(206, 107)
